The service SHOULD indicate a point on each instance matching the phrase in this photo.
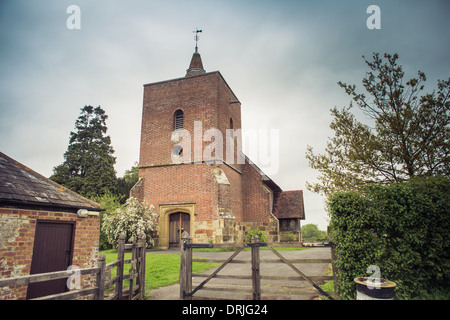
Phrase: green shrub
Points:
(290, 236)
(262, 237)
(402, 228)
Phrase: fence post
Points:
(256, 277)
(142, 249)
(101, 277)
(120, 266)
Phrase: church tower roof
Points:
(196, 66)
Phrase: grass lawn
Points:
(160, 269)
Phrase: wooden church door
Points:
(178, 222)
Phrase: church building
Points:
(192, 170)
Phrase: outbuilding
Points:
(44, 227)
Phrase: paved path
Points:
(283, 288)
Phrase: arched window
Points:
(231, 123)
(178, 120)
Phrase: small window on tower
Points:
(231, 123)
(178, 120)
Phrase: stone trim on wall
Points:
(230, 231)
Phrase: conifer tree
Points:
(88, 166)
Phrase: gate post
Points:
(334, 268)
(256, 276)
(188, 283)
(101, 277)
(183, 279)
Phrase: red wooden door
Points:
(52, 251)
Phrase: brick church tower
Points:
(191, 169)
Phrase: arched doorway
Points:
(165, 211)
(178, 222)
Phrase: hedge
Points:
(402, 228)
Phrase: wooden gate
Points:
(187, 292)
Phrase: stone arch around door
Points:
(165, 211)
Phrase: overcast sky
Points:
(281, 58)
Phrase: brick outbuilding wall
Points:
(17, 232)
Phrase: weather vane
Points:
(196, 37)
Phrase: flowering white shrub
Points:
(132, 219)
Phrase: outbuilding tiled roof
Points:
(289, 204)
(21, 186)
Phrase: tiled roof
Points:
(196, 66)
(289, 204)
(21, 186)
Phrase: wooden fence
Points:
(136, 275)
(187, 292)
(136, 288)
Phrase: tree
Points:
(88, 166)
(409, 136)
(312, 232)
(127, 182)
(109, 202)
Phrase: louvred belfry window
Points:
(178, 120)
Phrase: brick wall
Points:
(17, 230)
(183, 183)
(235, 191)
(197, 97)
(256, 197)
(203, 98)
